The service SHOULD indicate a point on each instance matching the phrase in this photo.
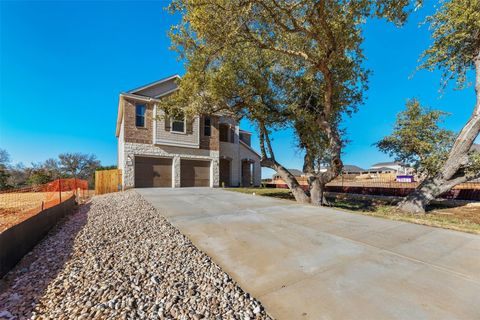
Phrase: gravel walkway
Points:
(117, 257)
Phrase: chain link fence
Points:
(18, 204)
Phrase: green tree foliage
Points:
(280, 64)
(4, 175)
(418, 140)
(38, 177)
(456, 40)
(455, 51)
(79, 165)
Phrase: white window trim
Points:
(184, 126)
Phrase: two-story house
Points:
(157, 151)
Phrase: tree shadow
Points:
(355, 205)
(23, 286)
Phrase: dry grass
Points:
(463, 218)
(20, 201)
(16, 207)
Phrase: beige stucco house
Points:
(157, 151)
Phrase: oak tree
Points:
(308, 61)
(455, 51)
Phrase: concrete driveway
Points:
(304, 262)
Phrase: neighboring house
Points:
(352, 169)
(295, 172)
(157, 151)
(390, 167)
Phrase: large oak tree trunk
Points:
(317, 193)
(451, 173)
(270, 162)
(290, 180)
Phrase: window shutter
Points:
(189, 123)
(167, 123)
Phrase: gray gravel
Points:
(117, 257)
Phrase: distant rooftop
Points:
(352, 168)
(386, 164)
(295, 172)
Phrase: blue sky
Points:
(63, 65)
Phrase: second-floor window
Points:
(178, 125)
(140, 115)
(207, 127)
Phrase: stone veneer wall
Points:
(176, 153)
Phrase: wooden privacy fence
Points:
(107, 181)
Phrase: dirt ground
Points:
(469, 212)
(17, 207)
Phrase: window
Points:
(140, 115)
(224, 128)
(207, 126)
(178, 125)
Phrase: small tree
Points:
(38, 177)
(79, 165)
(455, 51)
(4, 175)
(417, 139)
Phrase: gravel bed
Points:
(118, 258)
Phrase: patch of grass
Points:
(268, 192)
(463, 218)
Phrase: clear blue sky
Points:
(63, 65)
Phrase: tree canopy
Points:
(418, 140)
(455, 51)
(456, 40)
(280, 64)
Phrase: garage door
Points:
(153, 172)
(194, 173)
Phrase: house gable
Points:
(158, 88)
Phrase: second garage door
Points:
(153, 172)
(194, 173)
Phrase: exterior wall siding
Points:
(163, 136)
(158, 89)
(230, 151)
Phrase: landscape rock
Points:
(118, 258)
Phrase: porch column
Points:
(176, 172)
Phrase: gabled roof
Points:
(385, 164)
(175, 76)
(381, 169)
